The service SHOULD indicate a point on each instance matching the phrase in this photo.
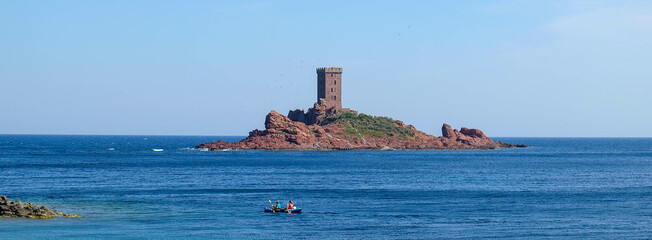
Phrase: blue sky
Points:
(509, 68)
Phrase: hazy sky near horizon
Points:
(509, 68)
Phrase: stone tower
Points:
(329, 86)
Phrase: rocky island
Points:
(328, 126)
(10, 208)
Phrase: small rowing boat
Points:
(296, 210)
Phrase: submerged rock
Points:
(10, 208)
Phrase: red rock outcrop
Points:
(282, 133)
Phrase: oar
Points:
(270, 201)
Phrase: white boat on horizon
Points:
(157, 149)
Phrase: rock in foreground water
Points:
(10, 208)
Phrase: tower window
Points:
(331, 74)
(331, 89)
(335, 82)
(334, 97)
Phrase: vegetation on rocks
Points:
(372, 126)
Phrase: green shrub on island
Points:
(366, 125)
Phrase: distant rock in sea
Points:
(10, 208)
(326, 128)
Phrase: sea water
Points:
(557, 188)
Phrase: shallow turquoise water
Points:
(558, 188)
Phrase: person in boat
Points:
(291, 206)
(277, 206)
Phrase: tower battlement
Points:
(329, 69)
(329, 86)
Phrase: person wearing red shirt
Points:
(291, 206)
